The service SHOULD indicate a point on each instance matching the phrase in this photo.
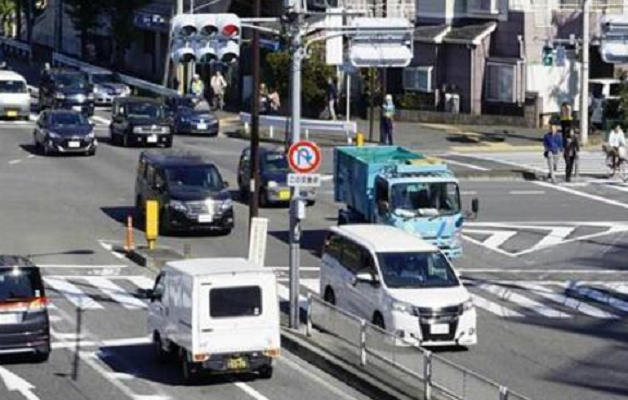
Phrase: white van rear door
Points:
(241, 314)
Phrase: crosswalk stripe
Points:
(522, 301)
(116, 292)
(75, 295)
(597, 295)
(142, 282)
(567, 301)
(493, 308)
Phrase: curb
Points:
(361, 381)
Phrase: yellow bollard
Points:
(152, 223)
(359, 139)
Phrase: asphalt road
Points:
(534, 250)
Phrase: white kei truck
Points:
(216, 315)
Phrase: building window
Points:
(483, 6)
(501, 83)
(418, 79)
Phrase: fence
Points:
(368, 344)
(349, 128)
(15, 48)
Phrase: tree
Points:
(85, 16)
(7, 8)
(121, 13)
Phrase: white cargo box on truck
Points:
(216, 314)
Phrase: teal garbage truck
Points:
(395, 186)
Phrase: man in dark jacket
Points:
(572, 148)
(553, 145)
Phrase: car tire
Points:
(188, 375)
(168, 143)
(266, 372)
(161, 355)
(42, 354)
(46, 150)
(164, 224)
(125, 140)
(91, 153)
(378, 321)
(330, 296)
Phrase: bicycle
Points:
(620, 169)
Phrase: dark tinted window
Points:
(68, 119)
(194, 177)
(245, 301)
(144, 110)
(416, 270)
(12, 87)
(333, 247)
(275, 162)
(17, 284)
(615, 89)
(352, 257)
(70, 81)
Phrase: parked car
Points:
(64, 132)
(15, 99)
(273, 171)
(24, 322)
(398, 282)
(66, 89)
(189, 188)
(106, 85)
(218, 315)
(138, 120)
(191, 115)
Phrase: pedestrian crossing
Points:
(564, 300)
(589, 162)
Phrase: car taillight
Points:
(38, 304)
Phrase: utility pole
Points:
(371, 101)
(254, 173)
(58, 26)
(584, 85)
(295, 225)
(181, 72)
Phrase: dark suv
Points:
(189, 189)
(24, 323)
(138, 120)
(66, 88)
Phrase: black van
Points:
(67, 89)
(139, 120)
(189, 189)
(24, 323)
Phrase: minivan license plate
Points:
(201, 127)
(236, 363)
(74, 145)
(11, 113)
(152, 139)
(439, 329)
(9, 318)
(205, 218)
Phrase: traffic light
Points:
(205, 38)
(548, 56)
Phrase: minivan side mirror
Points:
(367, 278)
(383, 207)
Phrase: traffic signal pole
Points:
(584, 85)
(254, 172)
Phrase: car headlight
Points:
(126, 91)
(272, 184)
(226, 205)
(165, 129)
(403, 307)
(59, 96)
(90, 96)
(98, 90)
(90, 135)
(137, 129)
(467, 305)
(178, 206)
(53, 135)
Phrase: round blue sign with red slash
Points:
(304, 157)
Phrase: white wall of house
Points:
(555, 85)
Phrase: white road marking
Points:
(582, 194)
(15, 383)
(597, 295)
(142, 282)
(526, 192)
(30, 156)
(557, 236)
(467, 165)
(75, 295)
(114, 291)
(468, 193)
(110, 248)
(567, 301)
(13, 162)
(101, 120)
(250, 391)
(522, 301)
(497, 236)
(493, 308)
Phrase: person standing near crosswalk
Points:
(572, 148)
(565, 119)
(553, 145)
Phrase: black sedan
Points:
(192, 116)
(64, 132)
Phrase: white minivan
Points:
(219, 315)
(398, 282)
(15, 99)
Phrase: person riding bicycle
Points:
(616, 145)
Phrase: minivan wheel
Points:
(330, 297)
(266, 372)
(125, 140)
(161, 355)
(42, 354)
(188, 375)
(378, 320)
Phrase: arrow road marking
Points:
(15, 383)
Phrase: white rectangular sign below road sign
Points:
(304, 180)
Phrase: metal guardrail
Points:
(60, 59)
(15, 47)
(349, 128)
(436, 374)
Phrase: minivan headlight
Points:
(403, 307)
(137, 129)
(178, 206)
(467, 305)
(53, 135)
(227, 204)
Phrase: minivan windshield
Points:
(416, 270)
(68, 119)
(13, 87)
(144, 110)
(70, 81)
(194, 177)
(18, 284)
(426, 199)
(275, 162)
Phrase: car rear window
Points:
(243, 301)
(17, 284)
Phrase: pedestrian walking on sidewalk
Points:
(386, 123)
(565, 119)
(572, 149)
(553, 145)
(332, 98)
(218, 85)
